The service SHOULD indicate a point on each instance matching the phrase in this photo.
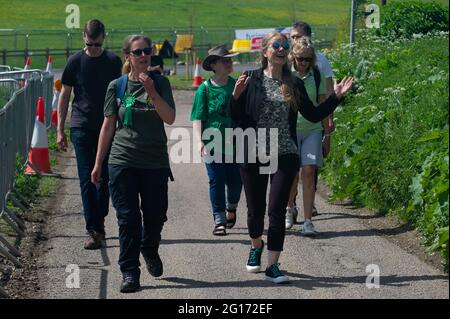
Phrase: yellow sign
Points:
(241, 46)
(184, 42)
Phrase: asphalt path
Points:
(200, 265)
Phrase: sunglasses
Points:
(97, 45)
(303, 59)
(277, 45)
(138, 52)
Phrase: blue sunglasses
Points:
(277, 45)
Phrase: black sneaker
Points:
(254, 259)
(154, 265)
(130, 284)
(274, 274)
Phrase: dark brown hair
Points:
(94, 28)
(303, 26)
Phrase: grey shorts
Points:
(310, 148)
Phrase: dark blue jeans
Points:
(221, 175)
(95, 199)
(134, 190)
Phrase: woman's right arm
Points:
(104, 142)
(238, 97)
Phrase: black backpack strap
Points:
(316, 73)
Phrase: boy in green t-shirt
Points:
(210, 112)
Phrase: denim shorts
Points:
(310, 148)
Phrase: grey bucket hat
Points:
(214, 53)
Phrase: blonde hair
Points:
(126, 47)
(301, 45)
(288, 89)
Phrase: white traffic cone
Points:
(22, 81)
(56, 93)
(197, 76)
(49, 65)
(38, 155)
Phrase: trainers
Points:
(94, 240)
(254, 259)
(308, 229)
(130, 283)
(274, 274)
(314, 211)
(154, 265)
(290, 213)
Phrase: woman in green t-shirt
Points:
(136, 107)
(210, 117)
(309, 134)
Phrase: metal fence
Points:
(7, 88)
(42, 43)
(17, 120)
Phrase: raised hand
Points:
(148, 84)
(241, 85)
(342, 88)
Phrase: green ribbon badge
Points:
(129, 101)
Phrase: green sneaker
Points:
(274, 274)
(254, 259)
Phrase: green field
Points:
(45, 21)
(50, 14)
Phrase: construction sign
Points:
(256, 35)
(241, 46)
(184, 42)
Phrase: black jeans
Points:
(95, 199)
(134, 190)
(255, 186)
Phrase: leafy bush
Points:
(390, 150)
(406, 18)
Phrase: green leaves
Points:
(390, 150)
(411, 18)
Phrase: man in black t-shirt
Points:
(88, 72)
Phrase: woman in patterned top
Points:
(270, 98)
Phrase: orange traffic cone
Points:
(56, 92)
(27, 63)
(22, 81)
(38, 154)
(49, 65)
(197, 77)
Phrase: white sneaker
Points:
(308, 229)
(290, 212)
